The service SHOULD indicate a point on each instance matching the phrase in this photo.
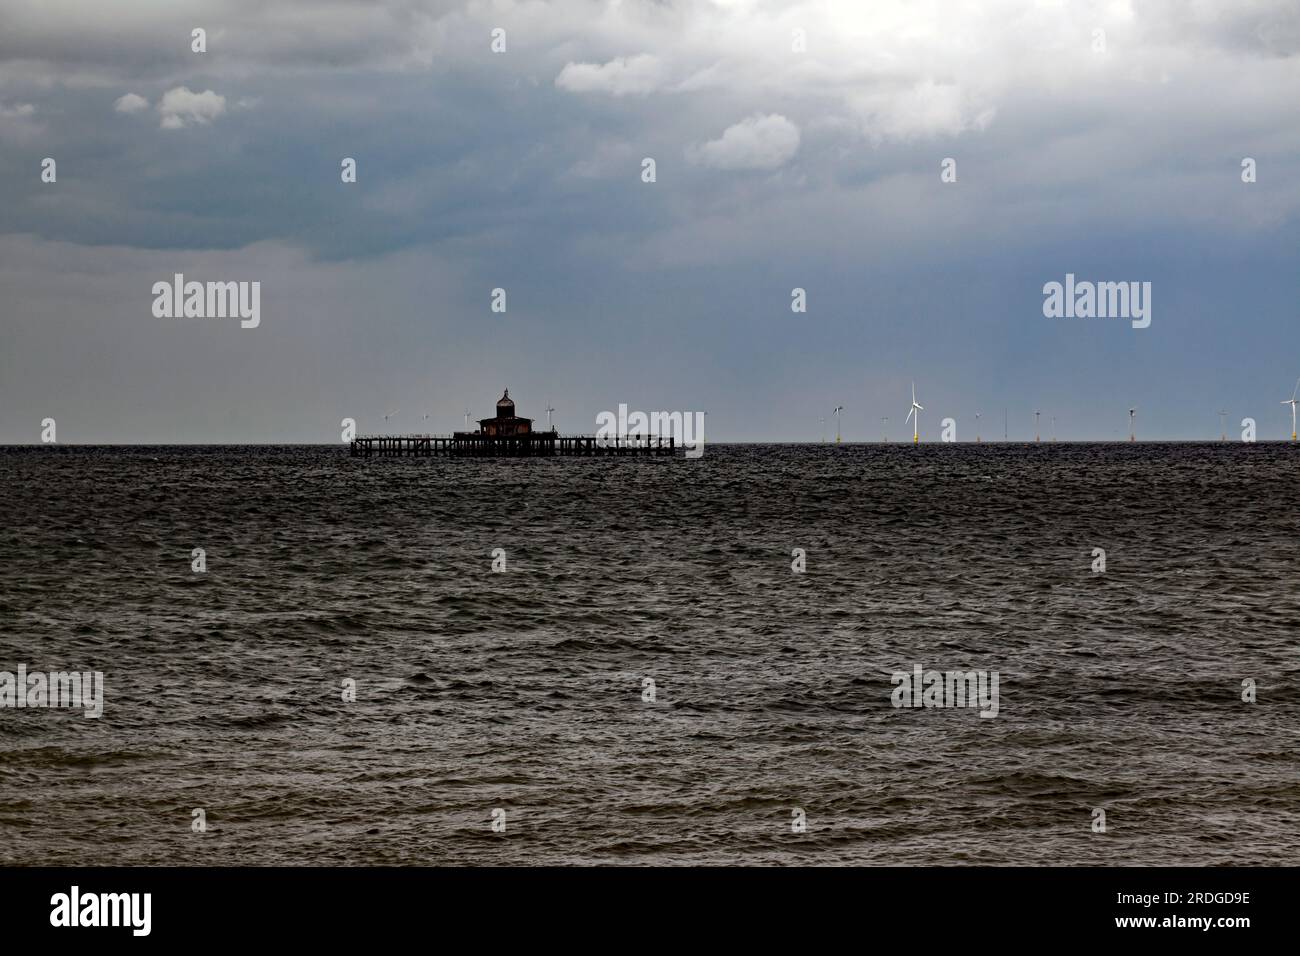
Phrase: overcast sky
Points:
(776, 168)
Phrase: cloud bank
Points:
(797, 144)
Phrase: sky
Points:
(796, 145)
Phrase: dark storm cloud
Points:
(522, 170)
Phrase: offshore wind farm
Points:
(1249, 425)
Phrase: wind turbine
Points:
(549, 409)
(977, 428)
(426, 423)
(1036, 414)
(823, 423)
(1053, 428)
(1292, 402)
(916, 419)
(467, 419)
(1223, 425)
(389, 415)
(884, 429)
(1132, 436)
(836, 413)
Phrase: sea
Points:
(310, 659)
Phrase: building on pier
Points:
(506, 424)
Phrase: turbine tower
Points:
(1292, 402)
(823, 421)
(836, 413)
(884, 429)
(1053, 428)
(916, 419)
(1036, 436)
(467, 419)
(1132, 435)
(977, 428)
(549, 409)
(1223, 425)
(388, 415)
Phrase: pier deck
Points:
(537, 444)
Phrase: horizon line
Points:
(712, 441)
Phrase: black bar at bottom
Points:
(946, 906)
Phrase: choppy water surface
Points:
(523, 690)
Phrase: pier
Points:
(534, 444)
(508, 435)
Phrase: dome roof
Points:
(505, 406)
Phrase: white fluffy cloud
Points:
(182, 107)
(131, 103)
(618, 77)
(926, 109)
(759, 142)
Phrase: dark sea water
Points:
(523, 690)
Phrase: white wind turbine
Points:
(1223, 425)
(1292, 402)
(549, 409)
(467, 419)
(1132, 435)
(836, 413)
(884, 428)
(977, 428)
(916, 419)
(1036, 436)
(388, 415)
(823, 421)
